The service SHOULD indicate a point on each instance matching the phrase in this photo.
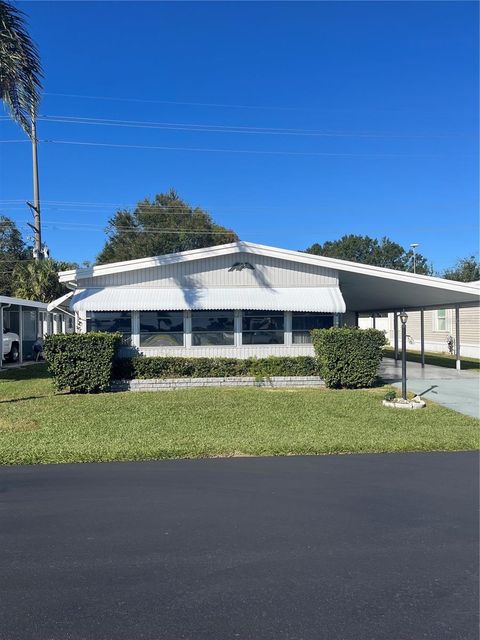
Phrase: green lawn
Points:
(439, 359)
(36, 425)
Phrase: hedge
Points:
(81, 362)
(348, 357)
(167, 367)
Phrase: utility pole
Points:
(414, 246)
(37, 245)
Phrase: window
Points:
(441, 320)
(210, 328)
(263, 327)
(111, 321)
(161, 329)
(303, 323)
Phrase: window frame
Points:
(260, 313)
(164, 314)
(307, 332)
(437, 319)
(220, 313)
(126, 335)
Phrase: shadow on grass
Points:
(23, 398)
(30, 372)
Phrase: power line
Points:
(221, 128)
(236, 129)
(236, 151)
(176, 102)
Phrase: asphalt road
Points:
(362, 547)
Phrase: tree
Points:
(20, 69)
(466, 270)
(166, 224)
(38, 280)
(12, 249)
(383, 253)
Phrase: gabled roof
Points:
(73, 275)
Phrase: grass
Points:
(39, 426)
(439, 359)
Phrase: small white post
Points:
(187, 329)
(136, 329)
(237, 327)
(20, 334)
(288, 328)
(422, 337)
(458, 362)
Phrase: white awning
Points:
(319, 299)
(60, 302)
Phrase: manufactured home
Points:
(241, 299)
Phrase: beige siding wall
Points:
(214, 272)
(437, 340)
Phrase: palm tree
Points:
(20, 68)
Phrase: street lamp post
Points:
(403, 319)
(414, 246)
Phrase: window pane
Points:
(301, 337)
(206, 338)
(309, 321)
(158, 321)
(211, 321)
(441, 319)
(263, 320)
(263, 337)
(110, 321)
(161, 339)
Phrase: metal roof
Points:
(365, 288)
(319, 299)
(24, 303)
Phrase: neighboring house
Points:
(27, 320)
(240, 299)
(440, 330)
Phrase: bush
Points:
(166, 367)
(348, 358)
(390, 395)
(81, 362)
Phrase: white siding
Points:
(250, 351)
(214, 272)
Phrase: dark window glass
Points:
(263, 337)
(111, 321)
(161, 329)
(210, 328)
(303, 323)
(263, 327)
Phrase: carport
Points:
(371, 290)
(29, 319)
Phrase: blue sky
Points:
(394, 85)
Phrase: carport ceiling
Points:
(370, 293)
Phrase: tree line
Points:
(168, 224)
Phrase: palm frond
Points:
(20, 67)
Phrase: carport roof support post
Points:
(458, 363)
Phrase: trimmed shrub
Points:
(348, 357)
(166, 367)
(81, 362)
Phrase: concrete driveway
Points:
(458, 390)
(357, 547)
